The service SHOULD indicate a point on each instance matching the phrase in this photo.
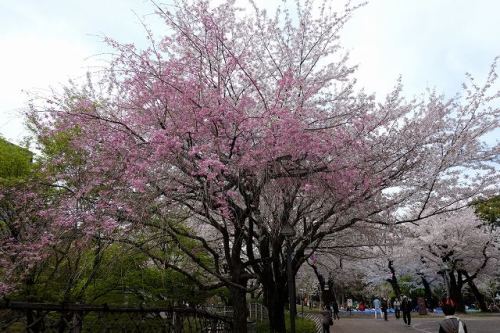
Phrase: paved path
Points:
(365, 325)
(419, 325)
(475, 324)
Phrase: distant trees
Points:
(489, 210)
(456, 247)
(461, 248)
(15, 161)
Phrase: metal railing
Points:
(256, 311)
(79, 318)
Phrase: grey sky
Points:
(431, 43)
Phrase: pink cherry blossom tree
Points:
(237, 124)
(25, 237)
(44, 217)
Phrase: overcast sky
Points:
(431, 43)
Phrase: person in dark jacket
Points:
(406, 309)
(335, 307)
(384, 306)
(451, 324)
(326, 319)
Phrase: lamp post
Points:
(288, 232)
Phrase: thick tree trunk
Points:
(240, 311)
(274, 279)
(276, 310)
(477, 294)
(394, 280)
(428, 293)
(456, 285)
(333, 294)
(274, 283)
(275, 297)
(321, 281)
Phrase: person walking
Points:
(384, 306)
(376, 307)
(335, 307)
(406, 308)
(451, 324)
(326, 319)
(349, 306)
(397, 308)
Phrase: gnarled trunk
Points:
(456, 284)
(394, 280)
(428, 293)
(477, 294)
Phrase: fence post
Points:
(77, 322)
(178, 322)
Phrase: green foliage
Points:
(489, 210)
(59, 143)
(408, 285)
(131, 278)
(15, 161)
(113, 274)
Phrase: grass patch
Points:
(302, 325)
(309, 310)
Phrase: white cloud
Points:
(431, 43)
(31, 62)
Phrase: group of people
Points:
(404, 305)
(450, 324)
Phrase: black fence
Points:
(78, 318)
(256, 311)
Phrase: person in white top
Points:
(397, 308)
(376, 306)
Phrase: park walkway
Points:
(488, 324)
(365, 325)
